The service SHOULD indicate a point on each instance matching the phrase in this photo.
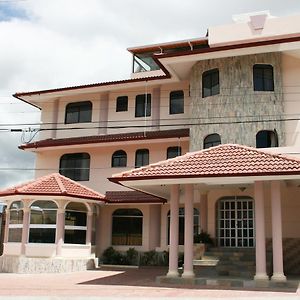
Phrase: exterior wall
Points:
(237, 101)
(47, 162)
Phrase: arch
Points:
(127, 227)
(119, 159)
(267, 139)
(211, 140)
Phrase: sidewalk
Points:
(115, 284)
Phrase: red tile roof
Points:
(53, 185)
(224, 160)
(131, 197)
(174, 133)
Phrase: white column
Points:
(6, 230)
(260, 238)
(174, 230)
(25, 230)
(188, 231)
(203, 212)
(89, 228)
(60, 230)
(278, 274)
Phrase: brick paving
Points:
(116, 284)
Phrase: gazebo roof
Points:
(53, 185)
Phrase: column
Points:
(278, 274)
(203, 212)
(174, 230)
(60, 230)
(6, 230)
(260, 238)
(89, 228)
(25, 230)
(188, 231)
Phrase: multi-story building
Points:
(237, 85)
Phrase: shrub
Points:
(203, 237)
(132, 256)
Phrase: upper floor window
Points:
(78, 112)
(266, 139)
(211, 140)
(119, 159)
(143, 105)
(173, 152)
(210, 83)
(263, 78)
(141, 158)
(122, 103)
(176, 102)
(75, 166)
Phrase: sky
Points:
(56, 43)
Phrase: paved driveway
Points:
(115, 284)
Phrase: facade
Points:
(237, 85)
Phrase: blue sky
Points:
(9, 10)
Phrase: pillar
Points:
(6, 230)
(278, 274)
(188, 231)
(25, 230)
(89, 228)
(60, 230)
(260, 248)
(174, 230)
(203, 212)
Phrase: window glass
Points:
(266, 139)
(173, 152)
(127, 228)
(15, 235)
(143, 105)
(122, 103)
(141, 158)
(78, 112)
(210, 83)
(176, 102)
(15, 225)
(263, 78)
(211, 140)
(119, 159)
(75, 166)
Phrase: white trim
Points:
(15, 225)
(42, 226)
(70, 227)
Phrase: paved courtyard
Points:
(116, 284)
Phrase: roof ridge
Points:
(57, 177)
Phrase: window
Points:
(143, 105)
(42, 227)
(119, 159)
(78, 112)
(75, 166)
(263, 78)
(127, 228)
(176, 102)
(122, 103)
(266, 139)
(173, 152)
(75, 223)
(15, 222)
(141, 158)
(211, 140)
(210, 83)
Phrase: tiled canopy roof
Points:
(131, 197)
(53, 185)
(174, 133)
(221, 161)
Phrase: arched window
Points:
(141, 157)
(263, 78)
(15, 222)
(75, 166)
(173, 152)
(127, 227)
(211, 140)
(210, 83)
(42, 227)
(266, 139)
(181, 225)
(119, 159)
(78, 112)
(75, 223)
(176, 102)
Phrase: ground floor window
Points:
(236, 222)
(75, 223)
(42, 227)
(15, 225)
(127, 227)
(181, 225)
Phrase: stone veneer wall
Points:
(237, 101)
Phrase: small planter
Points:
(198, 250)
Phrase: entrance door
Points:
(236, 222)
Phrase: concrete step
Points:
(205, 262)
